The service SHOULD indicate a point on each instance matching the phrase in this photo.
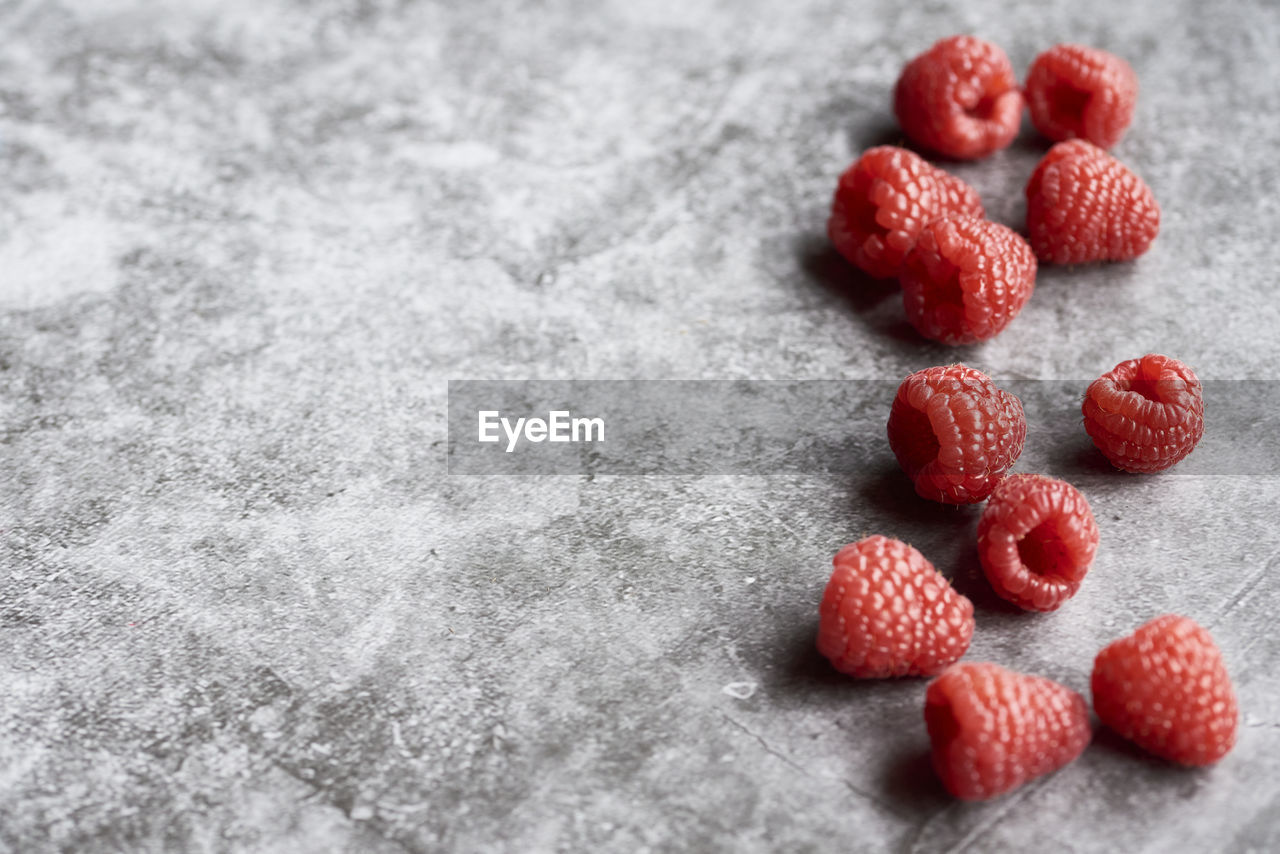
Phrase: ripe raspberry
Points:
(1077, 91)
(1084, 205)
(954, 433)
(957, 196)
(1145, 414)
(993, 729)
(887, 612)
(966, 279)
(1036, 540)
(959, 98)
(884, 199)
(1165, 688)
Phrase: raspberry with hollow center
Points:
(887, 612)
(1165, 688)
(994, 729)
(1081, 92)
(959, 98)
(882, 202)
(1084, 205)
(966, 279)
(955, 433)
(1036, 540)
(1145, 414)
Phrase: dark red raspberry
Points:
(887, 612)
(966, 279)
(1166, 689)
(1036, 540)
(959, 98)
(954, 433)
(884, 199)
(1145, 414)
(1081, 92)
(1084, 205)
(993, 729)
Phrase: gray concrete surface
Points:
(245, 243)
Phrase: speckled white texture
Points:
(244, 245)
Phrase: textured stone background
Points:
(244, 244)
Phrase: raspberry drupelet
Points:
(1036, 540)
(955, 433)
(959, 98)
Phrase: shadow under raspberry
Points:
(884, 132)
(828, 269)
(910, 786)
(886, 492)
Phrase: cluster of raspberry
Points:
(964, 278)
(886, 610)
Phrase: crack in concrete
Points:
(1245, 590)
(791, 763)
(322, 794)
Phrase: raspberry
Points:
(1036, 540)
(1165, 688)
(1084, 205)
(887, 612)
(1076, 91)
(884, 199)
(993, 729)
(966, 279)
(954, 433)
(959, 98)
(957, 196)
(1145, 414)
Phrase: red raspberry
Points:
(957, 196)
(1145, 414)
(959, 98)
(1084, 205)
(966, 279)
(1036, 540)
(887, 612)
(884, 199)
(954, 433)
(993, 729)
(1077, 91)
(1165, 688)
